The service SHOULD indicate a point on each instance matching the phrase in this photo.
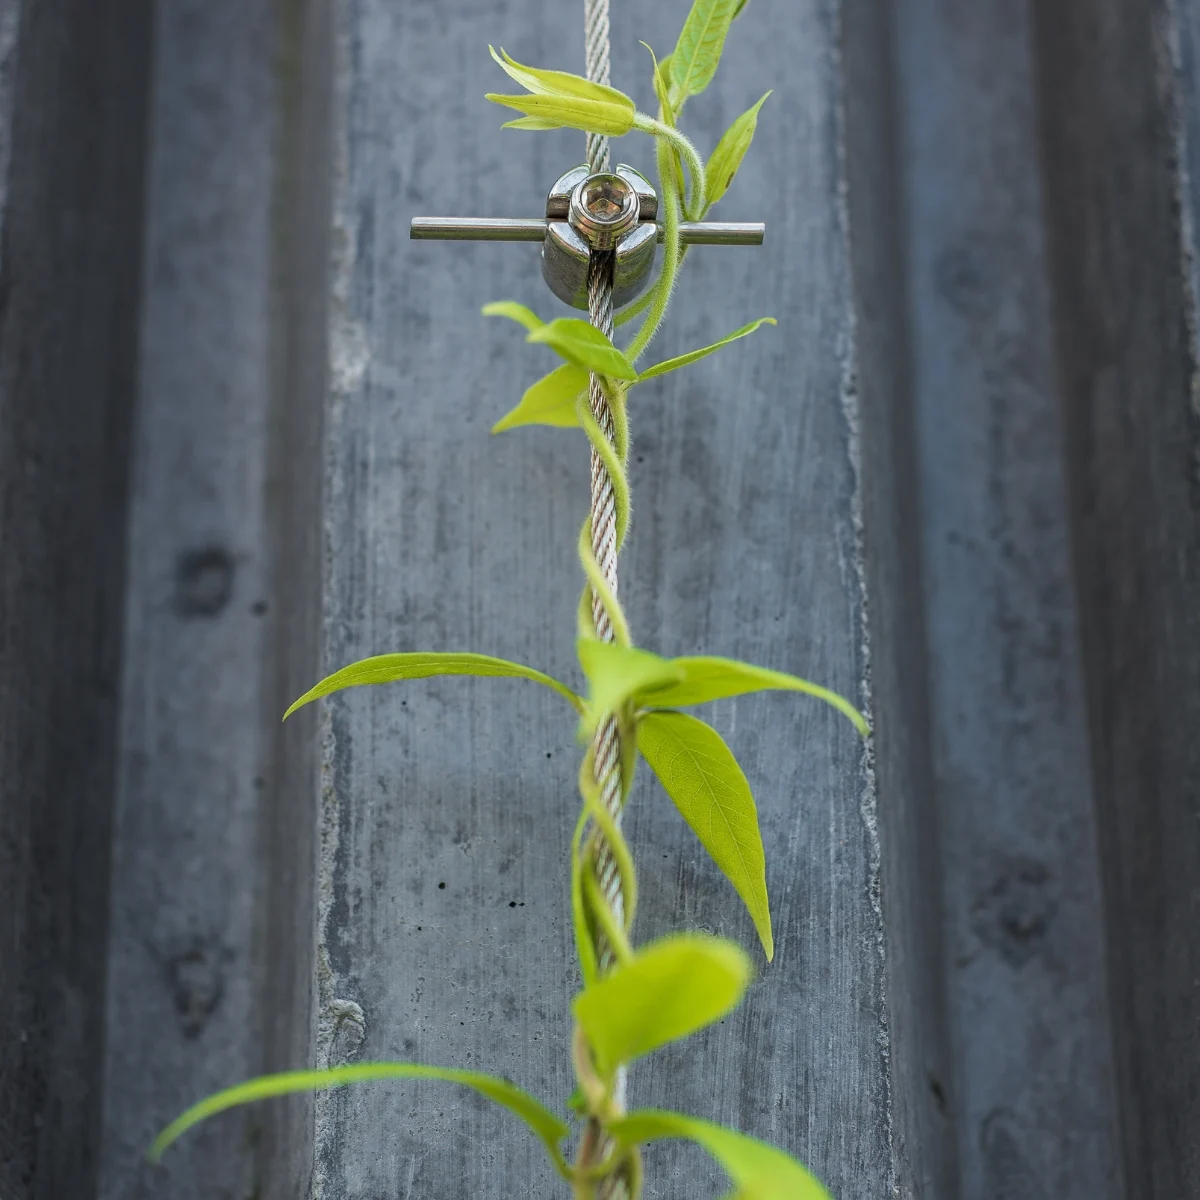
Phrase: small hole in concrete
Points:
(258, 608)
(939, 1096)
(512, 904)
(203, 581)
(442, 885)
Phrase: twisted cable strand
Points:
(605, 528)
(595, 24)
(604, 545)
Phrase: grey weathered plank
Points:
(1118, 126)
(211, 957)
(73, 88)
(1033, 1092)
(982, 247)
(919, 1043)
(185, 1006)
(1022, 283)
(441, 537)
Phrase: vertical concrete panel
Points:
(449, 804)
(184, 1003)
(1118, 124)
(1033, 1088)
(73, 83)
(210, 970)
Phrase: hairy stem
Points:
(661, 295)
(662, 131)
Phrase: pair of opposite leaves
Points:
(691, 760)
(668, 990)
(553, 399)
(558, 99)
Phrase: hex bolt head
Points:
(609, 210)
(603, 207)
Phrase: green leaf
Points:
(580, 343)
(731, 149)
(539, 123)
(757, 1169)
(706, 678)
(662, 86)
(673, 364)
(619, 673)
(670, 989)
(700, 43)
(584, 345)
(550, 401)
(540, 1119)
(514, 312)
(702, 777)
(557, 83)
(558, 99)
(389, 668)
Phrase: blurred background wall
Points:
(244, 439)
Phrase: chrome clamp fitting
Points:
(607, 211)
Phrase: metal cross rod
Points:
(590, 212)
(533, 229)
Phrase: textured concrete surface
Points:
(210, 966)
(450, 804)
(244, 439)
(185, 980)
(1033, 1087)
(73, 87)
(1118, 124)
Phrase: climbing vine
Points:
(633, 1000)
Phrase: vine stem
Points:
(661, 293)
(608, 890)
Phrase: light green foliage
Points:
(549, 1128)
(673, 364)
(523, 316)
(390, 668)
(550, 401)
(558, 99)
(662, 85)
(616, 674)
(627, 673)
(701, 41)
(700, 774)
(731, 149)
(585, 346)
(679, 984)
(670, 989)
(553, 399)
(757, 1169)
(581, 344)
(708, 678)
